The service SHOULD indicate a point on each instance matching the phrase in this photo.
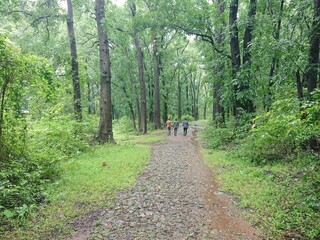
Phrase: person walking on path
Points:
(175, 127)
(185, 125)
(168, 125)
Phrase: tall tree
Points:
(247, 40)
(275, 60)
(156, 77)
(143, 100)
(235, 51)
(218, 109)
(105, 133)
(74, 63)
(313, 65)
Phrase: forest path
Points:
(175, 198)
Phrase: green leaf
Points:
(8, 213)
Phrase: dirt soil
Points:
(176, 197)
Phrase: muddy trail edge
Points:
(175, 197)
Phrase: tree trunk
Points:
(133, 116)
(218, 109)
(274, 62)
(105, 133)
(299, 85)
(134, 90)
(90, 92)
(187, 98)
(247, 39)
(179, 98)
(313, 65)
(143, 126)
(74, 64)
(2, 96)
(89, 99)
(156, 77)
(235, 52)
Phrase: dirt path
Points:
(175, 198)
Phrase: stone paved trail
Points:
(174, 198)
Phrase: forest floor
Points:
(176, 197)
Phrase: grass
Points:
(88, 181)
(151, 137)
(283, 203)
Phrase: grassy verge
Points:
(280, 195)
(88, 181)
(151, 137)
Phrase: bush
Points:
(28, 160)
(123, 125)
(218, 137)
(283, 132)
(188, 117)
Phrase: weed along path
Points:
(174, 198)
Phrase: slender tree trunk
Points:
(187, 98)
(133, 87)
(179, 97)
(90, 93)
(235, 52)
(194, 95)
(2, 96)
(143, 126)
(218, 109)
(165, 102)
(274, 61)
(156, 77)
(89, 98)
(247, 39)
(74, 64)
(133, 116)
(105, 133)
(299, 85)
(313, 65)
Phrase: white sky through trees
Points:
(63, 3)
(119, 2)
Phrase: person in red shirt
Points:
(169, 125)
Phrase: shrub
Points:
(123, 125)
(29, 155)
(188, 117)
(283, 132)
(218, 137)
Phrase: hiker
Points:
(168, 125)
(185, 125)
(175, 127)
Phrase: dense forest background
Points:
(73, 73)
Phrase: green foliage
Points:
(218, 137)
(29, 161)
(283, 132)
(123, 125)
(188, 117)
(87, 181)
(283, 198)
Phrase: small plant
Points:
(218, 137)
(187, 117)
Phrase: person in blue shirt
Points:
(175, 127)
(185, 125)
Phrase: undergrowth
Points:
(273, 168)
(34, 156)
(87, 181)
(283, 197)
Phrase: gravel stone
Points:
(174, 198)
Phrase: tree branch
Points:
(206, 38)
